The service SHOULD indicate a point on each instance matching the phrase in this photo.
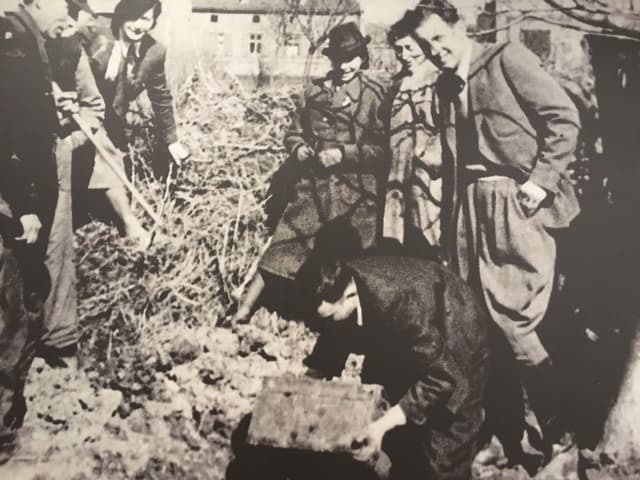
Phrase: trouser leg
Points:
(510, 258)
(61, 318)
(20, 324)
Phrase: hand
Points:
(367, 444)
(179, 153)
(67, 103)
(330, 157)
(531, 197)
(304, 153)
(30, 229)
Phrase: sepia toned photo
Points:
(319, 239)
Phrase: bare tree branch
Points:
(624, 23)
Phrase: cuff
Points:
(417, 416)
(545, 176)
(350, 152)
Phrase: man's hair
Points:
(325, 275)
(442, 8)
(128, 10)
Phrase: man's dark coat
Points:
(424, 338)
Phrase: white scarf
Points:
(118, 55)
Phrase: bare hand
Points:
(30, 229)
(367, 444)
(305, 153)
(67, 103)
(179, 153)
(330, 157)
(531, 197)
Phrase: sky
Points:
(385, 11)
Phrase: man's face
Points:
(343, 308)
(51, 16)
(347, 69)
(134, 30)
(447, 42)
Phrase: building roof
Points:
(318, 7)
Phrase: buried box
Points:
(304, 414)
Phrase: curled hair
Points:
(442, 8)
(128, 10)
(405, 27)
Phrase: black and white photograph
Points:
(320, 239)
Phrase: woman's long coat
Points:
(414, 187)
(347, 118)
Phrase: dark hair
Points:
(128, 10)
(405, 27)
(325, 276)
(442, 8)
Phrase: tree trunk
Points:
(621, 441)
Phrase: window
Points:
(214, 18)
(538, 41)
(292, 45)
(219, 45)
(256, 19)
(255, 43)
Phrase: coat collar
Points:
(482, 54)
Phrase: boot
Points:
(546, 398)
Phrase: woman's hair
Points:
(128, 10)
(405, 27)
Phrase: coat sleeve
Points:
(550, 110)
(17, 172)
(162, 100)
(330, 352)
(369, 150)
(429, 355)
(90, 101)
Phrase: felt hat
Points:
(345, 40)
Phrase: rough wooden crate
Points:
(313, 415)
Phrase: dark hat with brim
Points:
(345, 41)
(82, 5)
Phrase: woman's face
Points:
(409, 53)
(347, 69)
(134, 30)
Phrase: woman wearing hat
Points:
(414, 186)
(336, 149)
(130, 63)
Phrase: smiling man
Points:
(424, 339)
(509, 135)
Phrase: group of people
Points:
(66, 86)
(415, 225)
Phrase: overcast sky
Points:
(385, 11)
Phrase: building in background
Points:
(268, 37)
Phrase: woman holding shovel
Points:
(335, 143)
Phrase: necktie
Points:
(130, 62)
(449, 85)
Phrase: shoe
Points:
(59, 357)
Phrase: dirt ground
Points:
(166, 413)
